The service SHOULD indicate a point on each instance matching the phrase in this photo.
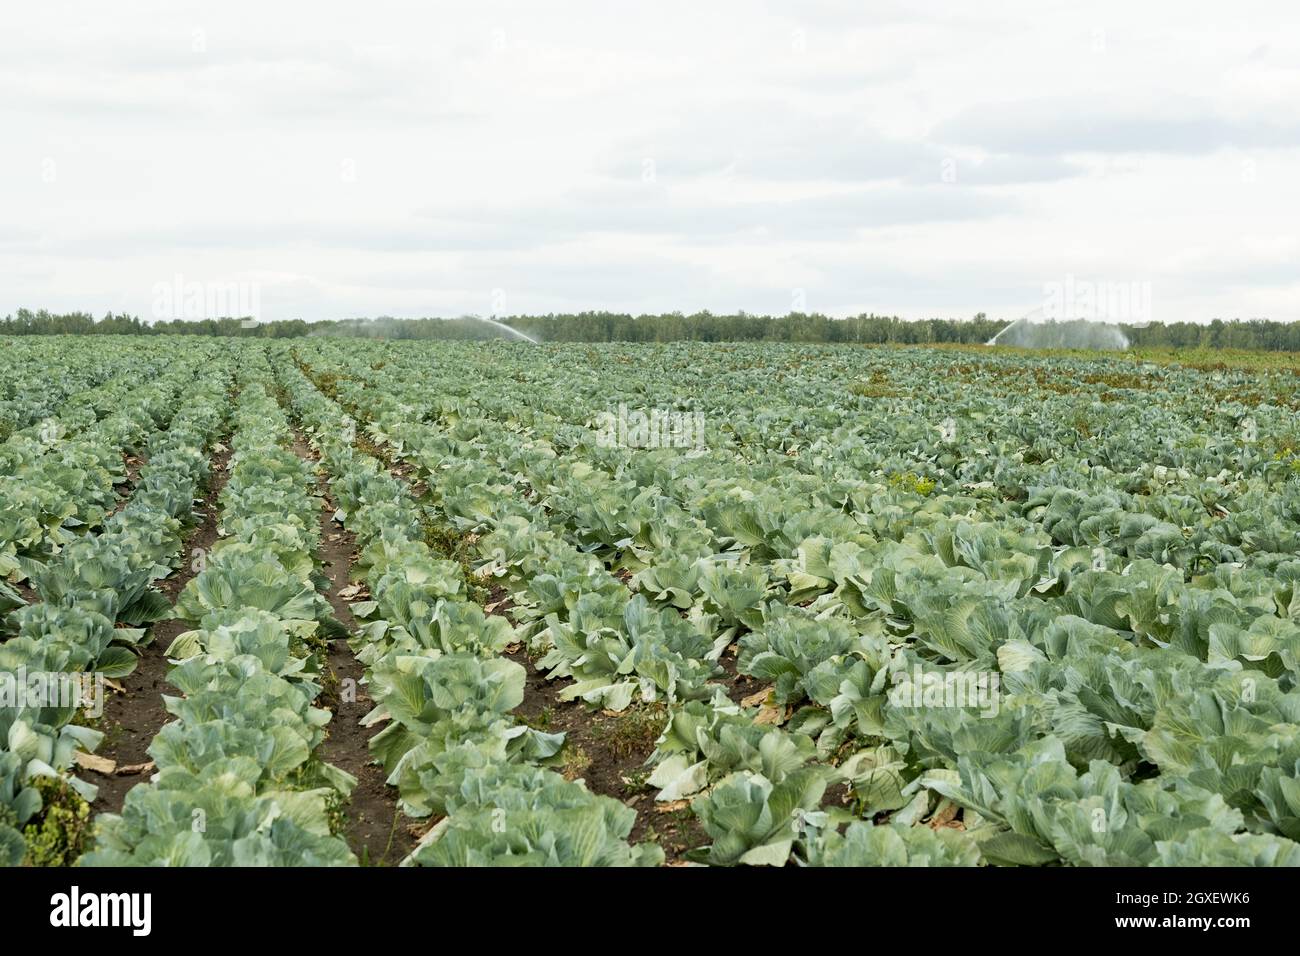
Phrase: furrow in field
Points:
(375, 830)
(133, 716)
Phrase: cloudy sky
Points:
(441, 158)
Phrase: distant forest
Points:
(674, 327)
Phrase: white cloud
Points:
(409, 159)
(1060, 126)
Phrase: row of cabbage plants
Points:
(44, 379)
(444, 692)
(238, 781)
(96, 599)
(57, 478)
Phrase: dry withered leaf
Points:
(756, 699)
(98, 764)
(418, 830)
(944, 816)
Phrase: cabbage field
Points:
(330, 602)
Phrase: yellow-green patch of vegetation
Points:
(62, 831)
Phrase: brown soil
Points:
(738, 686)
(500, 602)
(376, 830)
(839, 795)
(133, 466)
(132, 718)
(608, 752)
(403, 470)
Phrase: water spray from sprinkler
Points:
(505, 328)
(1034, 331)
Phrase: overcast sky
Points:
(412, 159)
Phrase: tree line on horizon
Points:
(1258, 334)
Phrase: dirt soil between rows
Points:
(133, 717)
(608, 751)
(376, 830)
